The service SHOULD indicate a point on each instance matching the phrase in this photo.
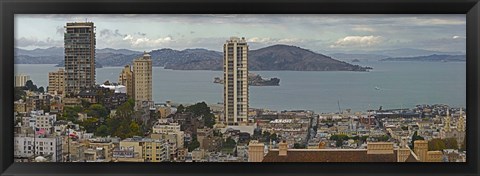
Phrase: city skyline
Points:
(315, 32)
(107, 122)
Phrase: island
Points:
(255, 80)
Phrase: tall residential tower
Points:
(235, 76)
(126, 78)
(142, 76)
(79, 47)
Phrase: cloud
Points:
(357, 41)
(107, 33)
(60, 30)
(363, 29)
(144, 42)
(267, 40)
(34, 42)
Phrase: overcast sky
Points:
(314, 32)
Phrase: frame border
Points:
(8, 9)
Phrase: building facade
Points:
(56, 82)
(21, 79)
(126, 78)
(28, 146)
(79, 47)
(235, 76)
(142, 73)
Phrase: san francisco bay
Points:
(389, 84)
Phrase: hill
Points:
(430, 58)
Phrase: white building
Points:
(48, 147)
(170, 129)
(21, 79)
(41, 120)
(235, 76)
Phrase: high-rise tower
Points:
(126, 78)
(79, 44)
(142, 76)
(235, 76)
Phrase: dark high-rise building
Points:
(79, 46)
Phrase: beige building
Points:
(235, 76)
(21, 79)
(56, 82)
(79, 44)
(99, 150)
(126, 78)
(149, 150)
(142, 74)
(255, 151)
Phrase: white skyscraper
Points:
(235, 76)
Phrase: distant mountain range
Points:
(383, 54)
(276, 57)
(430, 58)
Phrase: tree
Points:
(193, 144)
(436, 145)
(180, 109)
(41, 90)
(200, 110)
(134, 129)
(97, 111)
(209, 120)
(103, 130)
(30, 86)
(229, 143)
(363, 138)
(339, 143)
(298, 146)
(19, 94)
(90, 124)
(85, 103)
(274, 137)
(71, 113)
(451, 143)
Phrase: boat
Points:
(377, 88)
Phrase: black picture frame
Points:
(8, 8)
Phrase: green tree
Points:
(85, 103)
(71, 113)
(200, 109)
(90, 124)
(229, 143)
(134, 129)
(97, 111)
(339, 143)
(41, 90)
(30, 86)
(298, 146)
(102, 130)
(180, 109)
(436, 145)
(193, 144)
(451, 143)
(274, 137)
(19, 94)
(363, 138)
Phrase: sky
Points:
(316, 32)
